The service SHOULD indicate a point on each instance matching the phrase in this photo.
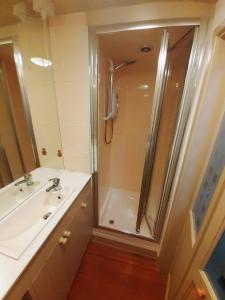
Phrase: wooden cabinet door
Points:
(51, 280)
(55, 278)
(80, 229)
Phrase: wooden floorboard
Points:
(107, 273)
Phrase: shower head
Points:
(125, 64)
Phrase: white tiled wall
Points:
(39, 88)
(40, 91)
(69, 51)
(69, 47)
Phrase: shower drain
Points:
(111, 221)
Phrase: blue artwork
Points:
(211, 177)
(215, 269)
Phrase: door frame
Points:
(94, 31)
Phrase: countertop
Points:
(11, 269)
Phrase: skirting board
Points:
(128, 243)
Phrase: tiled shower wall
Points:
(69, 43)
(121, 162)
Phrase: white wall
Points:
(68, 86)
(40, 90)
(69, 43)
(39, 86)
(219, 13)
(69, 46)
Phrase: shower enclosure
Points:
(141, 98)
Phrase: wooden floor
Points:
(107, 273)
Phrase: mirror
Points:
(29, 126)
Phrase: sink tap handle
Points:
(55, 180)
(27, 179)
(27, 175)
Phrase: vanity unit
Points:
(43, 231)
(47, 267)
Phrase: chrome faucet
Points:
(55, 186)
(27, 179)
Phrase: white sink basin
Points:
(19, 228)
(12, 196)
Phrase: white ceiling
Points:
(69, 6)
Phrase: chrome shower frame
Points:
(153, 130)
(189, 90)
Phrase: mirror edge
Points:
(19, 70)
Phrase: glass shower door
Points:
(154, 128)
(162, 155)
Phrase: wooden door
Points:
(197, 283)
(200, 216)
(204, 286)
(199, 288)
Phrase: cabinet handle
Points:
(201, 294)
(67, 233)
(62, 240)
(84, 204)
